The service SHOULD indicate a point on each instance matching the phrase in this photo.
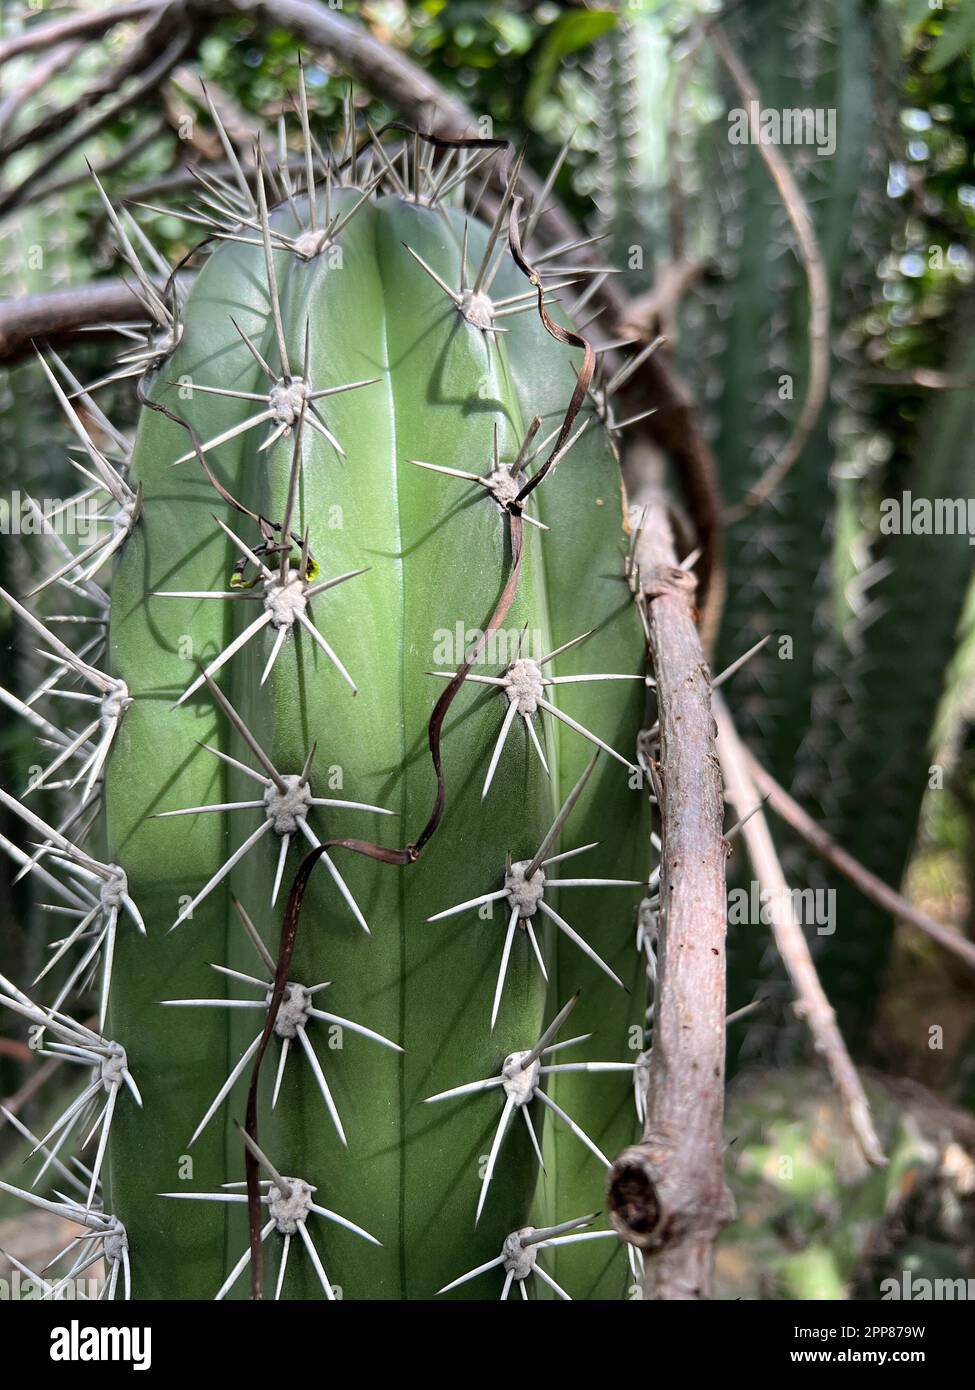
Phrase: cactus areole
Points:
(368, 600)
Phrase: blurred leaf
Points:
(572, 32)
(958, 35)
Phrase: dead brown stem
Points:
(667, 1194)
(869, 884)
(52, 317)
(811, 1004)
(158, 69)
(88, 25)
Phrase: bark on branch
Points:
(89, 25)
(52, 317)
(667, 1194)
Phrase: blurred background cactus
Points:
(816, 298)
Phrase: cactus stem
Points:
(474, 305)
(455, 295)
(285, 401)
(289, 1203)
(524, 888)
(222, 872)
(498, 483)
(586, 733)
(577, 940)
(224, 656)
(472, 1274)
(522, 685)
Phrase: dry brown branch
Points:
(39, 77)
(869, 884)
(811, 1004)
(140, 54)
(87, 126)
(815, 269)
(667, 1194)
(52, 317)
(89, 25)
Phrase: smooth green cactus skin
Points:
(437, 556)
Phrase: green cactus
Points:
(317, 523)
(785, 560)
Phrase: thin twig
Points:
(811, 1004)
(816, 277)
(868, 883)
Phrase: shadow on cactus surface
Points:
(367, 807)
